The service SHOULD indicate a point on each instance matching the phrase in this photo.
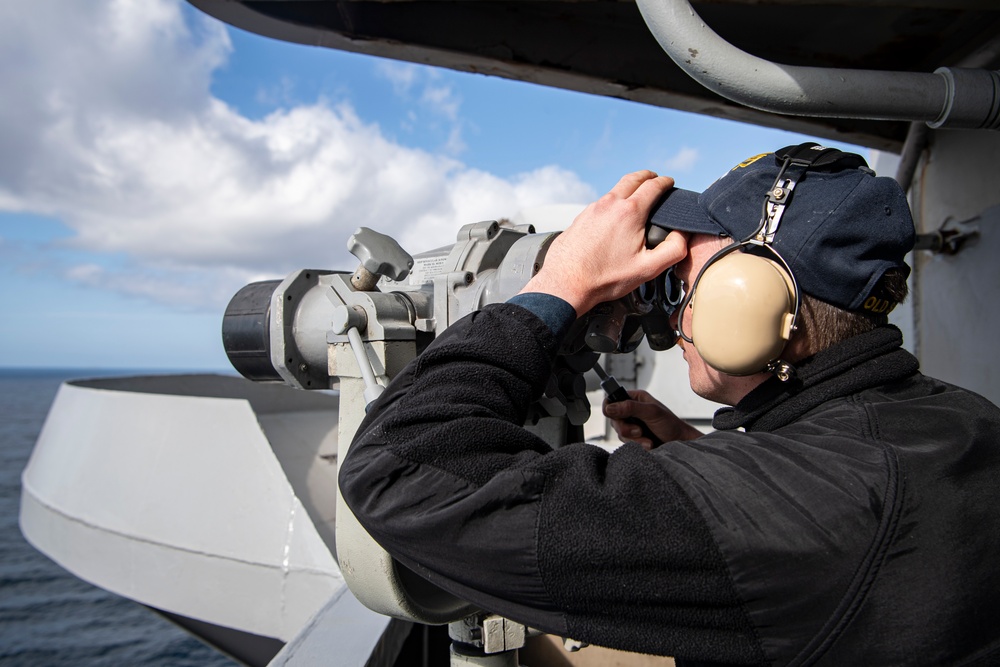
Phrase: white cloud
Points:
(435, 98)
(683, 160)
(402, 76)
(442, 100)
(455, 144)
(435, 95)
(278, 94)
(116, 133)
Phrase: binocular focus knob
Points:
(380, 255)
(604, 328)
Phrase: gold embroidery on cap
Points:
(749, 161)
(876, 305)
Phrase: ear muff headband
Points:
(752, 306)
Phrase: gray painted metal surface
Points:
(603, 47)
(344, 633)
(945, 98)
(166, 491)
(955, 296)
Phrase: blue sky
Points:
(153, 161)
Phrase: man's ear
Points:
(800, 343)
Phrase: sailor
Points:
(844, 511)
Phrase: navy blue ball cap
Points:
(842, 229)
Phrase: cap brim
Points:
(680, 210)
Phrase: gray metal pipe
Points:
(947, 98)
(909, 157)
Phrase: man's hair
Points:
(824, 325)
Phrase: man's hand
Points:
(603, 254)
(663, 423)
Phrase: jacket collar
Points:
(868, 360)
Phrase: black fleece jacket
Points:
(855, 520)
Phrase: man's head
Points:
(843, 233)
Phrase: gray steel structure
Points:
(605, 47)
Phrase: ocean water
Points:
(48, 617)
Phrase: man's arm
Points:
(599, 258)
(577, 542)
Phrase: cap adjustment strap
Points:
(813, 156)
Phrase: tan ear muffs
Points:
(743, 313)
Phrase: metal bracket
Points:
(950, 238)
(501, 634)
(491, 633)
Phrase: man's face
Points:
(706, 381)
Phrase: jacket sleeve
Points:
(602, 548)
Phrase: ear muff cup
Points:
(742, 313)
